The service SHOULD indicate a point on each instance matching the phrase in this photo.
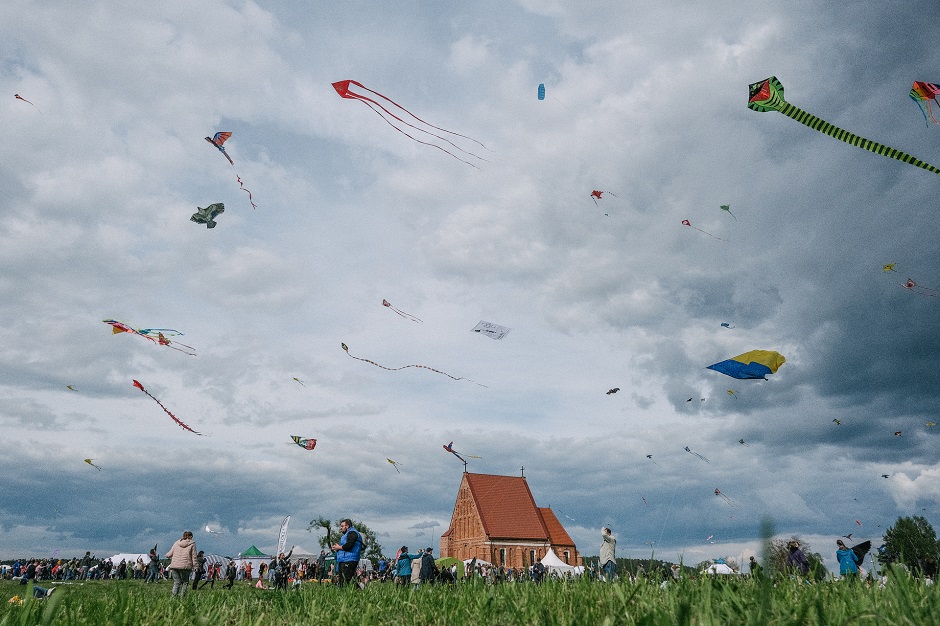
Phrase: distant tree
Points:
(912, 542)
(373, 550)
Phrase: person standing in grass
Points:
(182, 562)
(403, 566)
(796, 559)
(231, 571)
(848, 561)
(608, 558)
(348, 551)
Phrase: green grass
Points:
(700, 602)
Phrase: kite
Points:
(710, 537)
(300, 381)
(689, 224)
(861, 550)
(726, 498)
(644, 501)
(897, 433)
(650, 457)
(343, 89)
(930, 424)
(921, 290)
(596, 195)
(837, 422)
(450, 448)
(701, 399)
(305, 443)
(889, 267)
(207, 215)
(394, 464)
(849, 536)
(727, 207)
(395, 369)
(726, 325)
(89, 461)
(71, 387)
(767, 95)
(407, 316)
(696, 454)
(741, 441)
(217, 140)
(212, 532)
(541, 91)
(165, 410)
(858, 522)
(156, 335)
(241, 186)
(883, 476)
(755, 364)
(493, 331)
(732, 393)
(19, 97)
(925, 92)
(613, 391)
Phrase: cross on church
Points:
(523, 471)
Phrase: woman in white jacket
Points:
(182, 561)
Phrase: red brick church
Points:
(496, 519)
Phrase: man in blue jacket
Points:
(348, 552)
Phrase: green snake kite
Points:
(767, 95)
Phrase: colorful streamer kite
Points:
(925, 93)
(304, 442)
(767, 95)
(395, 369)
(217, 140)
(689, 224)
(165, 410)
(207, 215)
(19, 97)
(407, 316)
(89, 461)
(156, 335)
(394, 464)
(450, 448)
(696, 454)
(756, 364)
(344, 90)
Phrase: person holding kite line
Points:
(848, 561)
(182, 561)
(348, 552)
(608, 557)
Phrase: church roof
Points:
(506, 507)
(557, 534)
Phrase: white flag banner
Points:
(493, 331)
(282, 536)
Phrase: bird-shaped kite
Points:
(212, 532)
(345, 88)
(407, 316)
(217, 140)
(89, 461)
(613, 391)
(395, 369)
(450, 448)
(304, 442)
(756, 364)
(767, 95)
(165, 410)
(156, 335)
(394, 464)
(19, 97)
(689, 224)
(207, 215)
(925, 93)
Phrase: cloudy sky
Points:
(646, 102)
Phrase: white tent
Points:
(553, 564)
(719, 568)
(130, 558)
(299, 553)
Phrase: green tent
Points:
(253, 553)
(446, 563)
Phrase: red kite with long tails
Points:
(165, 410)
(19, 97)
(343, 89)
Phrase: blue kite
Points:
(756, 364)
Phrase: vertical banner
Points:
(282, 536)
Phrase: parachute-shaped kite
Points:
(922, 94)
(207, 215)
(165, 410)
(767, 95)
(345, 89)
(750, 365)
(304, 442)
(156, 335)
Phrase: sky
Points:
(101, 169)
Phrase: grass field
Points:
(722, 602)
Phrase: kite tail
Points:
(243, 188)
(165, 410)
(808, 119)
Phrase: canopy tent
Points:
(719, 568)
(553, 563)
(253, 553)
(254, 556)
(299, 553)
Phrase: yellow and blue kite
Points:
(753, 364)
